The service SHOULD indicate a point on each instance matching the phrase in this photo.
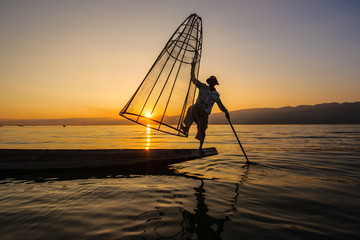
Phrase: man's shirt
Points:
(207, 98)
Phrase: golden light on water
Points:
(148, 136)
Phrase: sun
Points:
(148, 114)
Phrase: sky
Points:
(77, 58)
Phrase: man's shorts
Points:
(200, 117)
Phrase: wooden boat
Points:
(57, 159)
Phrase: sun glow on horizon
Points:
(48, 69)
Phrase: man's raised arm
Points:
(192, 73)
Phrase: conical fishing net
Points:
(165, 94)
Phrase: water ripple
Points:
(304, 184)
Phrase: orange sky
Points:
(86, 58)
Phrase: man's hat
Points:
(212, 79)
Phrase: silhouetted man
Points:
(200, 111)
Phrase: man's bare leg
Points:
(185, 126)
(200, 148)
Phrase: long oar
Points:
(247, 160)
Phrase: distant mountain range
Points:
(326, 113)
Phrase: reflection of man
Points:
(200, 223)
(200, 111)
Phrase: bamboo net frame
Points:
(162, 99)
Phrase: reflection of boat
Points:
(41, 159)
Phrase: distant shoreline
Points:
(326, 113)
(78, 125)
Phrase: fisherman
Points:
(200, 111)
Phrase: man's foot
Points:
(184, 129)
(201, 152)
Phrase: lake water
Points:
(305, 185)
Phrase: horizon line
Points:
(113, 117)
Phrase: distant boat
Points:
(21, 125)
(64, 125)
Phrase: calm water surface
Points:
(305, 185)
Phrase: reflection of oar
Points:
(247, 160)
(242, 180)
